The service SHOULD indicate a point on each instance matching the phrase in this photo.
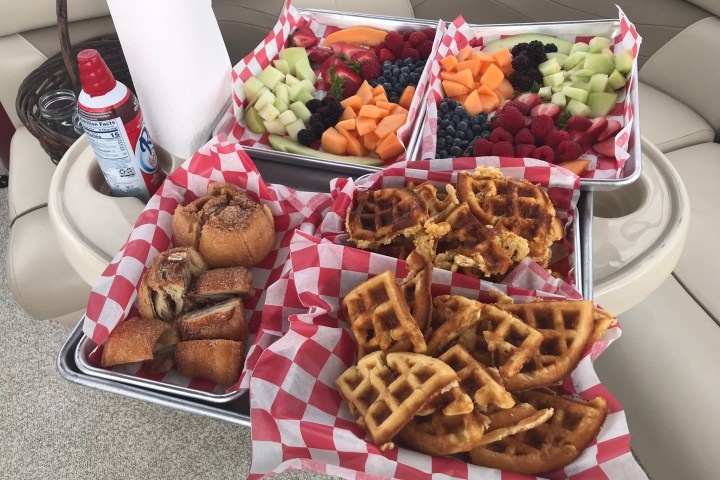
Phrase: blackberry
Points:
(313, 105)
(521, 62)
(335, 109)
(327, 100)
(315, 117)
(550, 47)
(317, 128)
(517, 49)
(520, 81)
(306, 137)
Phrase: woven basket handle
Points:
(65, 46)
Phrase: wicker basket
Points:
(53, 75)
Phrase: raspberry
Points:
(501, 135)
(511, 119)
(544, 153)
(482, 148)
(416, 38)
(524, 150)
(425, 48)
(576, 122)
(568, 150)
(524, 135)
(379, 47)
(555, 137)
(385, 55)
(408, 52)
(524, 108)
(541, 127)
(370, 69)
(394, 41)
(504, 149)
(429, 33)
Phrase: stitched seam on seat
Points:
(29, 210)
(695, 298)
(712, 135)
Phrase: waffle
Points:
(385, 395)
(514, 205)
(475, 249)
(510, 341)
(380, 317)
(565, 327)
(380, 216)
(416, 289)
(518, 418)
(454, 320)
(439, 434)
(551, 445)
(602, 321)
(438, 203)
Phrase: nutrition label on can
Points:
(115, 154)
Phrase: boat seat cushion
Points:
(394, 8)
(31, 171)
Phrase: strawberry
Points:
(544, 153)
(524, 135)
(606, 148)
(346, 73)
(529, 99)
(549, 109)
(394, 42)
(364, 55)
(555, 137)
(482, 148)
(347, 49)
(476, 42)
(325, 68)
(303, 37)
(425, 49)
(501, 135)
(591, 135)
(408, 52)
(541, 127)
(429, 33)
(318, 55)
(386, 56)
(613, 127)
(568, 150)
(576, 122)
(503, 149)
(350, 88)
(511, 119)
(524, 150)
(370, 69)
(416, 38)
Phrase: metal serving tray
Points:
(608, 28)
(340, 19)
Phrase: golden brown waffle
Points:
(439, 434)
(439, 203)
(454, 320)
(602, 321)
(380, 317)
(416, 289)
(551, 445)
(377, 217)
(518, 418)
(475, 249)
(385, 395)
(511, 342)
(514, 205)
(565, 328)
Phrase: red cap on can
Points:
(95, 76)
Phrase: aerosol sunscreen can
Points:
(111, 116)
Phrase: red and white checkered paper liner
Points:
(459, 35)
(300, 422)
(268, 50)
(562, 186)
(114, 294)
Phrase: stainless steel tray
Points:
(607, 27)
(340, 19)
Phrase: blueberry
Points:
(373, 83)
(443, 107)
(462, 125)
(386, 86)
(443, 154)
(440, 141)
(456, 142)
(448, 139)
(477, 128)
(402, 84)
(404, 70)
(394, 98)
(456, 151)
(450, 130)
(456, 118)
(441, 134)
(485, 134)
(408, 61)
(469, 135)
(387, 63)
(415, 77)
(380, 79)
(460, 135)
(393, 81)
(398, 62)
(483, 115)
(464, 144)
(396, 71)
(459, 110)
(404, 76)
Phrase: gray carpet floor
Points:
(51, 428)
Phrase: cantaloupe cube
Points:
(354, 102)
(354, 147)
(372, 111)
(370, 141)
(483, 57)
(464, 54)
(506, 69)
(378, 90)
(398, 110)
(348, 124)
(365, 92)
(348, 113)
(492, 77)
(472, 65)
(390, 124)
(505, 89)
(389, 148)
(463, 77)
(502, 57)
(389, 106)
(460, 98)
(380, 97)
(488, 98)
(365, 125)
(454, 89)
(449, 63)
(473, 104)
(407, 97)
(334, 142)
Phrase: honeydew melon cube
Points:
(282, 65)
(559, 88)
(579, 47)
(269, 113)
(554, 80)
(270, 77)
(598, 82)
(307, 85)
(254, 121)
(304, 96)
(584, 72)
(291, 80)
(304, 71)
(294, 127)
(600, 103)
(266, 99)
(579, 82)
(608, 53)
(559, 99)
(287, 117)
(274, 126)
(280, 105)
(258, 94)
(609, 88)
(598, 63)
(577, 93)
(560, 57)
(251, 87)
(300, 111)
(294, 91)
(545, 92)
(597, 44)
(293, 55)
(281, 92)
(573, 60)
(624, 62)
(616, 80)
(549, 67)
(577, 108)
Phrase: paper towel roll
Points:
(179, 65)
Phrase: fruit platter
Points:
(563, 93)
(339, 88)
